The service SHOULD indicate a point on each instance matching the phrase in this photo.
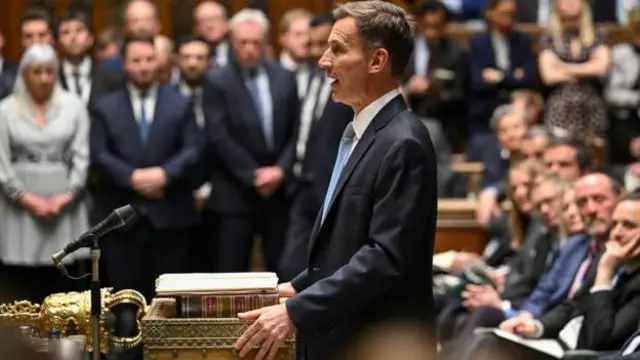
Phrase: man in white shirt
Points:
(78, 73)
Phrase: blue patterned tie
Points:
(257, 101)
(343, 154)
(143, 124)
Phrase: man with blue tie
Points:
(370, 251)
(145, 146)
(252, 109)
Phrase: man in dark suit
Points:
(371, 248)
(437, 73)
(193, 62)
(603, 316)
(8, 73)
(78, 73)
(253, 108)
(144, 146)
(322, 122)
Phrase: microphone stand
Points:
(96, 298)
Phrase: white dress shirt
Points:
(302, 70)
(84, 72)
(363, 118)
(421, 56)
(221, 55)
(149, 102)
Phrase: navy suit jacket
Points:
(484, 97)
(555, 285)
(371, 259)
(238, 146)
(7, 78)
(174, 144)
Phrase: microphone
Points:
(117, 219)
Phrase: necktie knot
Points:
(349, 133)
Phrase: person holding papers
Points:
(601, 317)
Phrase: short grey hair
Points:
(504, 110)
(383, 25)
(249, 16)
(537, 131)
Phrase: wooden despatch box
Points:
(167, 337)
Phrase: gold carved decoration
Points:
(71, 314)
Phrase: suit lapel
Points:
(246, 104)
(364, 144)
(492, 50)
(62, 77)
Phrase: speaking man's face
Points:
(346, 63)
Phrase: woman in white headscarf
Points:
(44, 156)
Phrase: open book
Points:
(547, 346)
(202, 283)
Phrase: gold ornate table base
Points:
(70, 313)
(166, 337)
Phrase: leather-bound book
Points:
(224, 305)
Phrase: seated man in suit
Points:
(596, 196)
(602, 316)
(538, 251)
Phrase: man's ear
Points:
(378, 61)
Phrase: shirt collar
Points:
(188, 90)
(83, 68)
(362, 120)
(153, 89)
(287, 62)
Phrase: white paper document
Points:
(202, 282)
(547, 346)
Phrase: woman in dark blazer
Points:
(501, 61)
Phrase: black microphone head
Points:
(125, 214)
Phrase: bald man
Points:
(210, 23)
(141, 18)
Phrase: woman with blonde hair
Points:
(44, 155)
(573, 58)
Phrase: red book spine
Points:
(223, 306)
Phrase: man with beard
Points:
(193, 62)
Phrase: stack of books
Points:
(219, 295)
